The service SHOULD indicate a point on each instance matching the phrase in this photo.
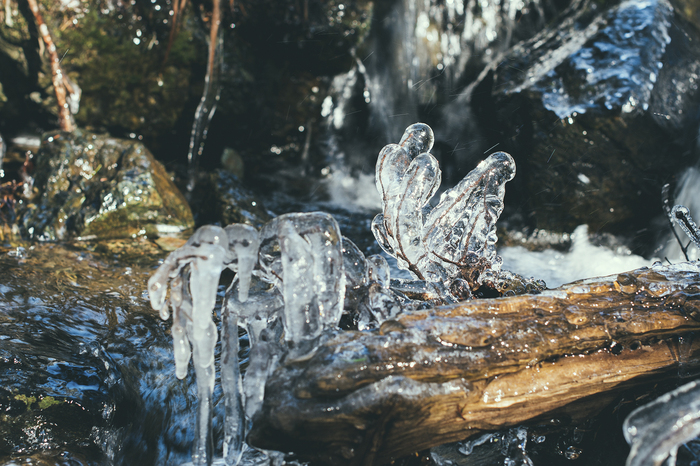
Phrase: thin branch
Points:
(65, 119)
(666, 201)
(178, 10)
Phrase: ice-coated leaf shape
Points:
(656, 430)
(463, 224)
(393, 165)
(407, 177)
(301, 253)
(442, 243)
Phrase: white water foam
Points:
(583, 260)
(353, 193)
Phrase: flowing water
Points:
(79, 343)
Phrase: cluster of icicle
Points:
(456, 239)
(298, 274)
(290, 286)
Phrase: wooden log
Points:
(441, 375)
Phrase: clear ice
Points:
(295, 268)
(681, 215)
(656, 430)
(296, 276)
(456, 238)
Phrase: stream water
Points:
(86, 367)
(80, 346)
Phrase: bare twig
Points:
(178, 8)
(65, 119)
(666, 201)
(682, 216)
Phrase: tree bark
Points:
(440, 375)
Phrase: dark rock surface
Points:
(599, 113)
(101, 187)
(220, 198)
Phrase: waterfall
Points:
(416, 65)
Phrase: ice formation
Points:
(681, 215)
(289, 287)
(656, 430)
(456, 238)
(298, 274)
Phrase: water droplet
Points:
(572, 453)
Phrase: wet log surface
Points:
(443, 374)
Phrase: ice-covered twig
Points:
(681, 215)
(666, 202)
(656, 430)
(456, 238)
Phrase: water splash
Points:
(582, 260)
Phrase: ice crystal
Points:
(289, 287)
(296, 276)
(456, 238)
(656, 430)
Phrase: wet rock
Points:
(220, 198)
(598, 112)
(100, 187)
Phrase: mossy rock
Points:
(100, 187)
(116, 56)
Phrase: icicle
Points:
(231, 384)
(302, 255)
(656, 430)
(192, 297)
(244, 240)
(378, 270)
(263, 359)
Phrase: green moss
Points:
(28, 400)
(125, 84)
(47, 401)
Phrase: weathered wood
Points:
(440, 375)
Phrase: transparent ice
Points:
(456, 238)
(656, 430)
(298, 274)
(289, 287)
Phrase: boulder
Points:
(98, 187)
(598, 112)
